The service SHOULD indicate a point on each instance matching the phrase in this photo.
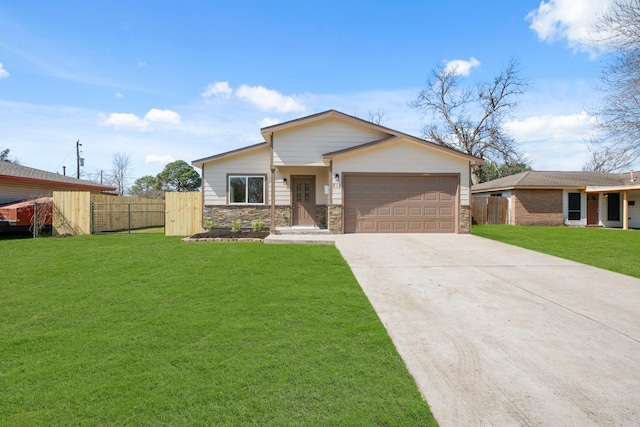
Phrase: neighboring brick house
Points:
(568, 198)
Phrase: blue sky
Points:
(162, 81)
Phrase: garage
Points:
(400, 203)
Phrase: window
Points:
(574, 206)
(246, 189)
(613, 206)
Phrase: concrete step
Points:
(301, 231)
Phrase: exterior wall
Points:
(582, 222)
(321, 216)
(465, 220)
(214, 174)
(538, 207)
(224, 216)
(334, 219)
(283, 191)
(401, 157)
(305, 145)
(634, 210)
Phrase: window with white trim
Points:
(246, 189)
(574, 206)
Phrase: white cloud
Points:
(570, 127)
(3, 73)
(162, 116)
(124, 121)
(141, 64)
(461, 67)
(572, 20)
(268, 121)
(159, 159)
(554, 142)
(119, 95)
(269, 100)
(131, 121)
(219, 89)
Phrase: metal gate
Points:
(128, 217)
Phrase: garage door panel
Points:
(388, 203)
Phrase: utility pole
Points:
(78, 145)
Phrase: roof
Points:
(393, 134)
(15, 171)
(199, 162)
(556, 179)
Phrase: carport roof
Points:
(16, 172)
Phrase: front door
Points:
(303, 200)
(592, 209)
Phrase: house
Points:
(19, 183)
(568, 198)
(338, 172)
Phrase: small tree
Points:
(148, 187)
(179, 176)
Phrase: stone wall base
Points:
(223, 216)
(465, 219)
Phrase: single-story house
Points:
(335, 171)
(19, 183)
(568, 198)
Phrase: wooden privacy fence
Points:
(79, 212)
(490, 210)
(114, 213)
(183, 214)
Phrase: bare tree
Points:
(121, 166)
(618, 145)
(471, 119)
(378, 117)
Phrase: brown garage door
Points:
(400, 203)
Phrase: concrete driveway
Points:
(497, 335)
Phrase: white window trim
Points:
(246, 202)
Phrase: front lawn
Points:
(611, 249)
(147, 330)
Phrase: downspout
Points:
(272, 228)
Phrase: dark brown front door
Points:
(303, 199)
(592, 209)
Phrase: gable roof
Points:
(200, 162)
(393, 134)
(554, 179)
(473, 160)
(18, 172)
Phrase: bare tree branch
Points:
(471, 119)
(618, 146)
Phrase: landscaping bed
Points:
(228, 235)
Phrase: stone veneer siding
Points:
(465, 219)
(537, 207)
(321, 216)
(223, 215)
(334, 219)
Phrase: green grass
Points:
(146, 330)
(611, 249)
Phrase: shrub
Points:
(235, 226)
(209, 225)
(257, 225)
